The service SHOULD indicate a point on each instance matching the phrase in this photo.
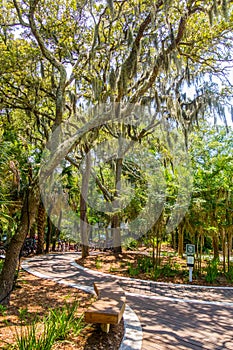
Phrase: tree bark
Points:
(28, 215)
(56, 232)
(49, 235)
(215, 241)
(229, 249)
(83, 207)
(41, 221)
(180, 240)
(224, 249)
(116, 233)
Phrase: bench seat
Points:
(105, 311)
(109, 307)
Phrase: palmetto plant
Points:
(5, 184)
(12, 156)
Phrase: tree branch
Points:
(46, 53)
(19, 15)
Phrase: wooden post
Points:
(105, 327)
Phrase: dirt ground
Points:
(178, 272)
(34, 297)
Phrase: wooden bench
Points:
(109, 307)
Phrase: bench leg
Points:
(105, 327)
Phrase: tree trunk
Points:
(224, 250)
(49, 231)
(56, 231)
(154, 261)
(83, 207)
(174, 235)
(49, 235)
(229, 249)
(116, 233)
(33, 232)
(28, 215)
(230, 236)
(215, 245)
(201, 238)
(157, 247)
(54, 239)
(41, 221)
(180, 240)
(156, 244)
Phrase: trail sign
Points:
(190, 249)
(190, 260)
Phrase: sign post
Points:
(190, 251)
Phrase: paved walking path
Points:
(171, 316)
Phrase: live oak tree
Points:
(40, 99)
(123, 52)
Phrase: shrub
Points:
(133, 271)
(156, 273)
(167, 270)
(212, 271)
(229, 274)
(131, 244)
(145, 264)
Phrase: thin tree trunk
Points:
(41, 221)
(224, 250)
(215, 246)
(154, 260)
(49, 231)
(180, 240)
(48, 235)
(174, 238)
(198, 253)
(83, 207)
(28, 215)
(229, 249)
(116, 233)
(201, 252)
(56, 232)
(230, 236)
(54, 239)
(157, 247)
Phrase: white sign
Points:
(190, 260)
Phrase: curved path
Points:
(171, 316)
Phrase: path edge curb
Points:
(133, 335)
